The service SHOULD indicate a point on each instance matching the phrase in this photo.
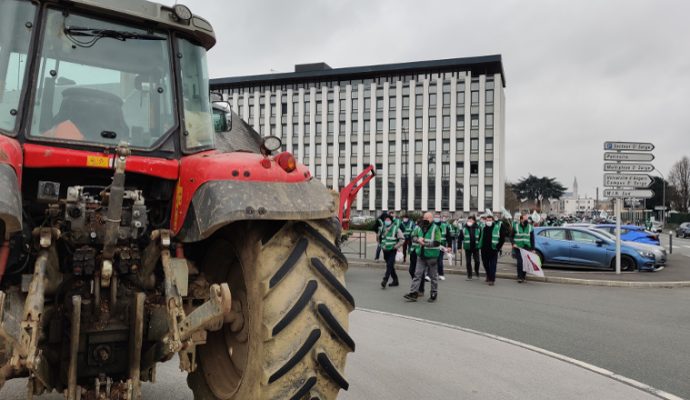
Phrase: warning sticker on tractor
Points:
(97, 162)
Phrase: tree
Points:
(538, 189)
(680, 179)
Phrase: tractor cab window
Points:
(198, 120)
(103, 83)
(16, 23)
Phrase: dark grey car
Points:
(683, 230)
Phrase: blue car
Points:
(572, 246)
(632, 233)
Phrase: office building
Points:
(435, 130)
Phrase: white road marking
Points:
(601, 371)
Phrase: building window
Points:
(489, 168)
(367, 104)
(489, 96)
(432, 169)
(418, 169)
(461, 98)
(391, 169)
(379, 104)
(489, 145)
(418, 124)
(367, 126)
(446, 146)
(474, 145)
(406, 101)
(432, 146)
(446, 99)
(432, 99)
(446, 122)
(475, 120)
(489, 120)
(391, 124)
(432, 124)
(460, 145)
(419, 101)
(391, 148)
(445, 170)
(460, 122)
(367, 147)
(418, 146)
(379, 148)
(474, 168)
(475, 97)
(353, 149)
(379, 125)
(354, 104)
(459, 169)
(406, 124)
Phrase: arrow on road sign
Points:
(628, 146)
(616, 167)
(624, 194)
(628, 157)
(627, 180)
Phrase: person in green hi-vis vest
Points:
(470, 237)
(522, 238)
(429, 238)
(407, 226)
(390, 239)
(492, 238)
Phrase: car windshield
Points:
(16, 23)
(102, 82)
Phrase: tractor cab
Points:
(91, 74)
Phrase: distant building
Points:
(571, 203)
(435, 130)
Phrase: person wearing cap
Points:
(407, 226)
(428, 236)
(493, 235)
(391, 239)
(470, 237)
(522, 238)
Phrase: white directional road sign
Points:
(628, 146)
(625, 194)
(627, 180)
(628, 157)
(615, 167)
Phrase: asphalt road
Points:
(680, 245)
(643, 334)
(639, 333)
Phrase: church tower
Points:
(576, 195)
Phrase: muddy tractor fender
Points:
(10, 195)
(215, 189)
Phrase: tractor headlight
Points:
(182, 13)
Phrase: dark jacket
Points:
(486, 237)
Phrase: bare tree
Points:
(680, 179)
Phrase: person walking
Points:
(415, 249)
(428, 236)
(390, 239)
(407, 226)
(492, 238)
(445, 240)
(377, 228)
(471, 238)
(522, 238)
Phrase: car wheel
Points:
(541, 256)
(627, 263)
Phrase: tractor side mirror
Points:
(222, 116)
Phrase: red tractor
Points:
(141, 222)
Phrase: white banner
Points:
(531, 263)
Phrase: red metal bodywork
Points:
(349, 192)
(210, 166)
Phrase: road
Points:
(642, 334)
(680, 245)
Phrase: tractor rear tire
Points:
(290, 341)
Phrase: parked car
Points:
(632, 233)
(683, 230)
(657, 227)
(660, 254)
(573, 246)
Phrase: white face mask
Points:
(489, 223)
(470, 223)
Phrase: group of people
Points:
(427, 240)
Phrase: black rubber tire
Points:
(296, 314)
(625, 260)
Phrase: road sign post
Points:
(627, 160)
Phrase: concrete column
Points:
(372, 141)
(452, 190)
(425, 146)
(386, 156)
(398, 145)
(324, 135)
(235, 102)
(499, 144)
(360, 143)
(336, 137)
(290, 114)
(468, 128)
(312, 130)
(245, 106)
(267, 113)
(257, 110)
(279, 114)
(412, 155)
(348, 134)
(300, 127)
(439, 144)
(482, 142)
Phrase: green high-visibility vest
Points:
(407, 228)
(495, 235)
(433, 234)
(389, 236)
(466, 237)
(443, 227)
(414, 246)
(522, 235)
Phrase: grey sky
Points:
(578, 72)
